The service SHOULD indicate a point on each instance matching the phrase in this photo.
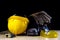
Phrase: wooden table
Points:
(2, 37)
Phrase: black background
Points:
(8, 8)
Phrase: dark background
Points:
(8, 8)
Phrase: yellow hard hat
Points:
(17, 24)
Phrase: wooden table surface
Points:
(2, 37)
